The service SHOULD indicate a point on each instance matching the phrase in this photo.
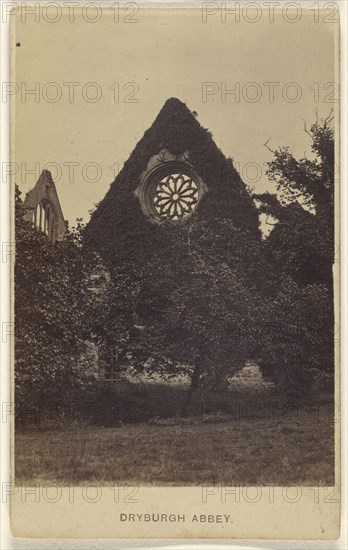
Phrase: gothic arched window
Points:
(44, 218)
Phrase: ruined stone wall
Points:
(43, 200)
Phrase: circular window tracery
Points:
(170, 191)
(175, 196)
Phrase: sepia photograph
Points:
(174, 196)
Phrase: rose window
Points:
(170, 190)
(175, 196)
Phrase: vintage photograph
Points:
(176, 300)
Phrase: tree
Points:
(197, 310)
(51, 328)
(300, 251)
(302, 241)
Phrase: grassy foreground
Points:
(291, 449)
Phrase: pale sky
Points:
(163, 55)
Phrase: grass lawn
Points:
(287, 449)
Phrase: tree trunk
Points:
(193, 386)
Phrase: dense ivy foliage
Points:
(200, 296)
(118, 228)
(209, 291)
(177, 265)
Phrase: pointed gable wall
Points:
(44, 197)
(119, 218)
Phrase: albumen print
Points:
(175, 180)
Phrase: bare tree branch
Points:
(267, 146)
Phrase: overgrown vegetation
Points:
(51, 300)
(203, 296)
(301, 256)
